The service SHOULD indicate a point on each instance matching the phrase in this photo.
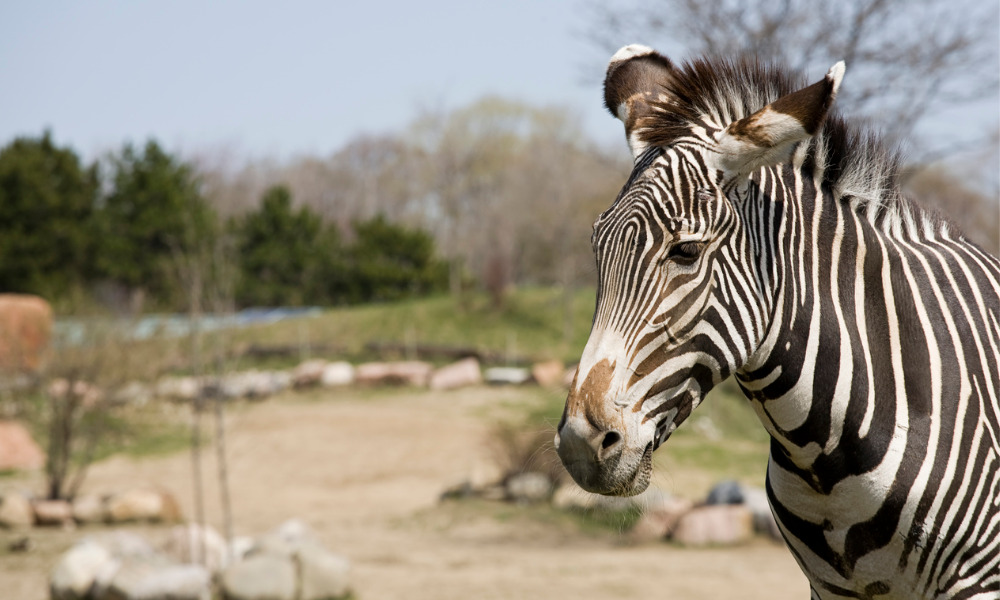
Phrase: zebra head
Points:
(682, 300)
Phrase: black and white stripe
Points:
(865, 333)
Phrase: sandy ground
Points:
(365, 471)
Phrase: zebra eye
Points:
(684, 253)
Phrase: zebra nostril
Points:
(610, 439)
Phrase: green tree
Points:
(389, 261)
(46, 205)
(153, 214)
(280, 252)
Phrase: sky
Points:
(280, 79)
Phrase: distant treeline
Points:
(136, 232)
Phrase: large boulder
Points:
(18, 450)
(322, 574)
(309, 373)
(337, 374)
(548, 373)
(260, 577)
(415, 373)
(75, 573)
(53, 512)
(154, 506)
(156, 580)
(463, 373)
(25, 328)
(196, 544)
(15, 511)
(723, 524)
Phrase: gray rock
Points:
(152, 581)
(755, 499)
(528, 487)
(16, 511)
(77, 569)
(507, 376)
(725, 492)
(323, 575)
(198, 545)
(260, 577)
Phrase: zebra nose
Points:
(580, 442)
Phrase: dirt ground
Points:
(365, 472)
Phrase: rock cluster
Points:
(18, 511)
(731, 514)
(197, 564)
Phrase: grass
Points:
(531, 324)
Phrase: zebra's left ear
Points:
(768, 136)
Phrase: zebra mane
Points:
(851, 159)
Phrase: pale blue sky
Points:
(291, 77)
(280, 77)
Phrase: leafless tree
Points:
(907, 59)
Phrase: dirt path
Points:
(365, 472)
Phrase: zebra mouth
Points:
(661, 435)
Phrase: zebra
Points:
(760, 235)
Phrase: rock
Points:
(322, 574)
(126, 545)
(714, 525)
(75, 573)
(157, 581)
(507, 376)
(25, 328)
(133, 393)
(260, 577)
(529, 487)
(190, 543)
(308, 373)
(15, 511)
(548, 373)
(415, 373)
(88, 508)
(755, 499)
(18, 450)
(142, 505)
(725, 492)
(463, 373)
(178, 388)
(240, 547)
(660, 520)
(53, 512)
(337, 374)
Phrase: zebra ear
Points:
(768, 136)
(636, 77)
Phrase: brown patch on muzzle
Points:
(589, 398)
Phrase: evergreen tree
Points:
(153, 214)
(389, 261)
(46, 204)
(280, 252)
